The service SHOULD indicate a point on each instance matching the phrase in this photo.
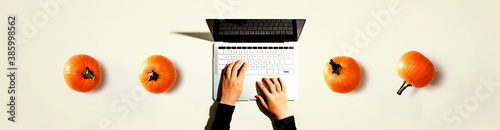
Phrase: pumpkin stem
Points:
(403, 87)
(88, 74)
(335, 67)
(152, 75)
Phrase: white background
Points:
(460, 37)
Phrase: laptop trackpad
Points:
(250, 87)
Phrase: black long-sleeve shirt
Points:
(225, 112)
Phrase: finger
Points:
(224, 71)
(264, 104)
(277, 84)
(263, 89)
(234, 72)
(229, 69)
(271, 86)
(283, 88)
(242, 71)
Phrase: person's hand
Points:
(232, 82)
(276, 98)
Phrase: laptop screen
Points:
(255, 30)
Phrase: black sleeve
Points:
(223, 117)
(286, 124)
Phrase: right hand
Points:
(276, 98)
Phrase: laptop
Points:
(269, 46)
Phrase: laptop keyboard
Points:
(262, 60)
(256, 27)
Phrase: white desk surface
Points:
(461, 38)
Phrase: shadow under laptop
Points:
(199, 35)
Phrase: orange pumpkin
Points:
(415, 69)
(342, 74)
(82, 73)
(157, 74)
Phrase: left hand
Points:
(232, 82)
